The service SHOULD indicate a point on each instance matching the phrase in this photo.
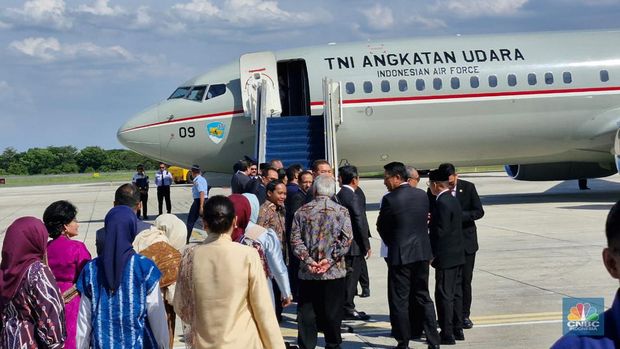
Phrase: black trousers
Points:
(277, 295)
(364, 280)
(409, 284)
(144, 198)
(293, 272)
(468, 275)
(192, 217)
(321, 304)
(449, 298)
(354, 269)
(163, 192)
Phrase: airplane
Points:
(545, 104)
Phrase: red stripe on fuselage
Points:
(409, 98)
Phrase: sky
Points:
(71, 72)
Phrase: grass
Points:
(72, 178)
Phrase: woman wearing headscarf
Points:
(222, 291)
(31, 306)
(265, 241)
(66, 258)
(163, 243)
(121, 305)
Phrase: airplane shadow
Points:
(604, 192)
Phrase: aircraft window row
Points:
(474, 82)
(197, 93)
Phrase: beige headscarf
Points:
(174, 229)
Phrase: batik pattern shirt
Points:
(321, 230)
(119, 317)
(272, 217)
(35, 317)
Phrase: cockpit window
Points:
(180, 92)
(216, 90)
(196, 93)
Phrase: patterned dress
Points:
(119, 318)
(272, 217)
(35, 317)
(66, 258)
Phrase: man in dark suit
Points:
(472, 209)
(449, 256)
(295, 198)
(258, 185)
(360, 246)
(241, 177)
(402, 224)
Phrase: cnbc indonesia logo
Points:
(583, 317)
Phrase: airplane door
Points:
(259, 71)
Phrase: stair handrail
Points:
(261, 125)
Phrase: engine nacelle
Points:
(558, 171)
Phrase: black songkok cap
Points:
(439, 175)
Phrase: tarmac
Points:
(539, 243)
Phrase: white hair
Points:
(324, 185)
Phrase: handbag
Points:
(167, 259)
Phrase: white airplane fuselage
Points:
(556, 100)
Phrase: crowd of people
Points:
(282, 236)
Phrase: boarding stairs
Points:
(292, 139)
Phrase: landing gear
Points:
(583, 184)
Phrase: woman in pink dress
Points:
(66, 258)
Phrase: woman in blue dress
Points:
(121, 305)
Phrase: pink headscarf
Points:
(242, 211)
(25, 243)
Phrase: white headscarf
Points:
(174, 229)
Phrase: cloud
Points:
(47, 13)
(479, 8)
(427, 22)
(50, 49)
(143, 18)
(379, 17)
(101, 8)
(242, 13)
(4, 25)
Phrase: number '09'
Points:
(187, 132)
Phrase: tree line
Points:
(68, 159)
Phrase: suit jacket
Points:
(357, 211)
(362, 199)
(238, 182)
(445, 232)
(255, 186)
(295, 198)
(471, 211)
(402, 224)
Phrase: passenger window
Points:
(385, 86)
(531, 79)
(492, 81)
(420, 85)
(180, 92)
(197, 93)
(350, 88)
(548, 78)
(402, 85)
(367, 86)
(604, 75)
(567, 77)
(437, 83)
(474, 82)
(455, 83)
(512, 80)
(216, 90)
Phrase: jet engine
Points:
(558, 171)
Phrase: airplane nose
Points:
(140, 135)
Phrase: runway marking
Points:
(485, 321)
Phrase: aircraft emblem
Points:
(216, 131)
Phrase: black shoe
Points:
(365, 292)
(356, 315)
(448, 340)
(459, 335)
(433, 346)
(467, 324)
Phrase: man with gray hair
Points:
(320, 237)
